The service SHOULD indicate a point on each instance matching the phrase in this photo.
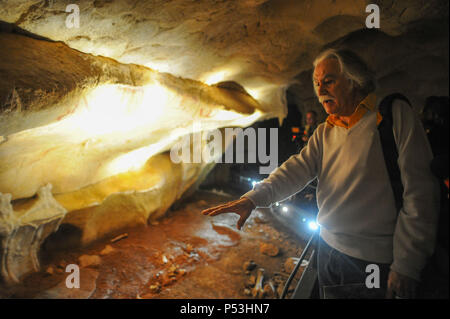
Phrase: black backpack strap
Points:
(390, 152)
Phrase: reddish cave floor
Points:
(183, 255)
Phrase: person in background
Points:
(311, 125)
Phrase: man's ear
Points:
(355, 88)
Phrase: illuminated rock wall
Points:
(99, 134)
(23, 230)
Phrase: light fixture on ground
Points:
(313, 225)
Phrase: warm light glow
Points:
(219, 75)
(240, 120)
(255, 93)
(106, 131)
(134, 160)
(117, 108)
(215, 77)
(158, 66)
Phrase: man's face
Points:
(333, 88)
(310, 119)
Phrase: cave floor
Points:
(182, 255)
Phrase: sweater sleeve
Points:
(415, 231)
(291, 177)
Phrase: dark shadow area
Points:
(66, 237)
(12, 28)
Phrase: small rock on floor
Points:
(107, 250)
(89, 261)
(269, 249)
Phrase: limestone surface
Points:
(23, 231)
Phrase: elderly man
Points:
(359, 222)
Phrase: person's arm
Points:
(415, 231)
(291, 177)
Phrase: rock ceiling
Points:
(260, 44)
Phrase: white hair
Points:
(353, 68)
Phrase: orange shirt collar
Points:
(368, 104)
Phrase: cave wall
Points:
(87, 139)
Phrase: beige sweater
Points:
(356, 204)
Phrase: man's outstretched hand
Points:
(243, 207)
